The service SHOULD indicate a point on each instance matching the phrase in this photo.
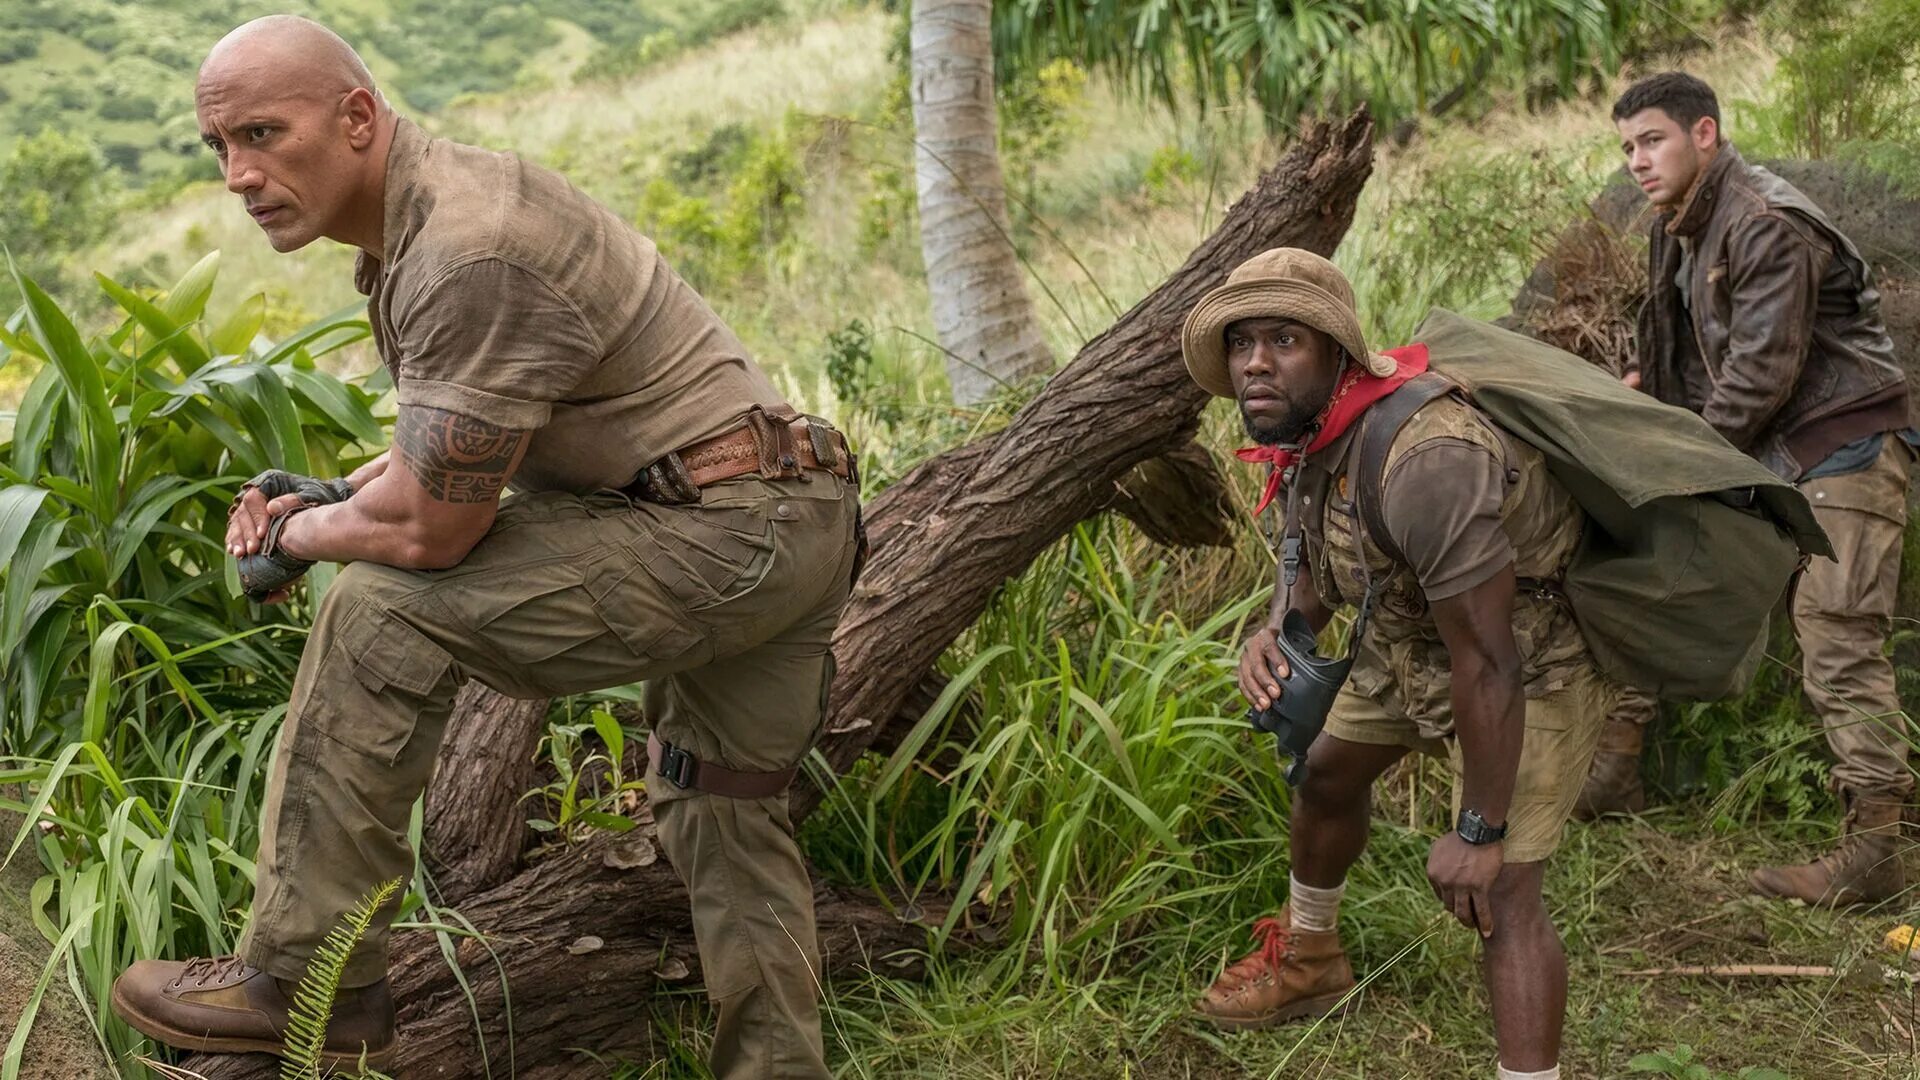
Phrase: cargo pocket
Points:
(637, 607)
(396, 670)
(709, 557)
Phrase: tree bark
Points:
(981, 312)
(584, 935)
(1178, 499)
(472, 813)
(952, 531)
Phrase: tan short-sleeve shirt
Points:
(1463, 502)
(505, 294)
(1442, 505)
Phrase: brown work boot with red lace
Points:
(1292, 975)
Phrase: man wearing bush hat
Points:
(674, 522)
(1454, 658)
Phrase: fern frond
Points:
(313, 1000)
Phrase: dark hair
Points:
(1676, 93)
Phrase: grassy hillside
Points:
(120, 72)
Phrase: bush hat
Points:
(1280, 283)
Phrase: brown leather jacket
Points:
(1782, 349)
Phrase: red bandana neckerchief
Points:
(1352, 395)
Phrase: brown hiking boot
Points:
(1864, 869)
(1613, 780)
(221, 1005)
(1291, 976)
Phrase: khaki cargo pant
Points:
(1841, 616)
(726, 611)
(1562, 729)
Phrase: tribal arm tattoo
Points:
(461, 465)
(456, 458)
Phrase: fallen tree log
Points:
(584, 936)
(951, 532)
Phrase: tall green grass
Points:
(141, 691)
(1088, 794)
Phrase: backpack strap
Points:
(1382, 422)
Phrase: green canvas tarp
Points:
(1690, 544)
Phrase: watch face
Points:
(1475, 830)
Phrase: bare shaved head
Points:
(301, 132)
(297, 54)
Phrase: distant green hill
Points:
(120, 72)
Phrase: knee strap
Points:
(681, 769)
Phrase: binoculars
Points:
(1306, 694)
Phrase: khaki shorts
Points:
(1563, 727)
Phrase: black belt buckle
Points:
(678, 766)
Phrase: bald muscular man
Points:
(673, 521)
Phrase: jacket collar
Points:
(409, 147)
(1697, 208)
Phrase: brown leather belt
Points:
(774, 446)
(682, 769)
(737, 453)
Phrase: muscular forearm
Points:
(1489, 718)
(376, 525)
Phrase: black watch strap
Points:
(1474, 829)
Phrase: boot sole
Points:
(1313, 1008)
(180, 1039)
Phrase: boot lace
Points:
(1275, 940)
(202, 970)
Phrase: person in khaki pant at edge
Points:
(1763, 318)
(674, 522)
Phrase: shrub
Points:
(742, 230)
(1038, 114)
(19, 45)
(1170, 165)
(59, 198)
(1851, 76)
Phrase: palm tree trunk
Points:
(980, 308)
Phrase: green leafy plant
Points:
(1679, 1064)
(125, 452)
(312, 1007)
(589, 786)
(139, 693)
(715, 233)
(1850, 76)
(1037, 112)
(1401, 57)
(60, 197)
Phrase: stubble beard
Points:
(1288, 429)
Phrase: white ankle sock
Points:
(1315, 911)
(1543, 1074)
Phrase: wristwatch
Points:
(1474, 829)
